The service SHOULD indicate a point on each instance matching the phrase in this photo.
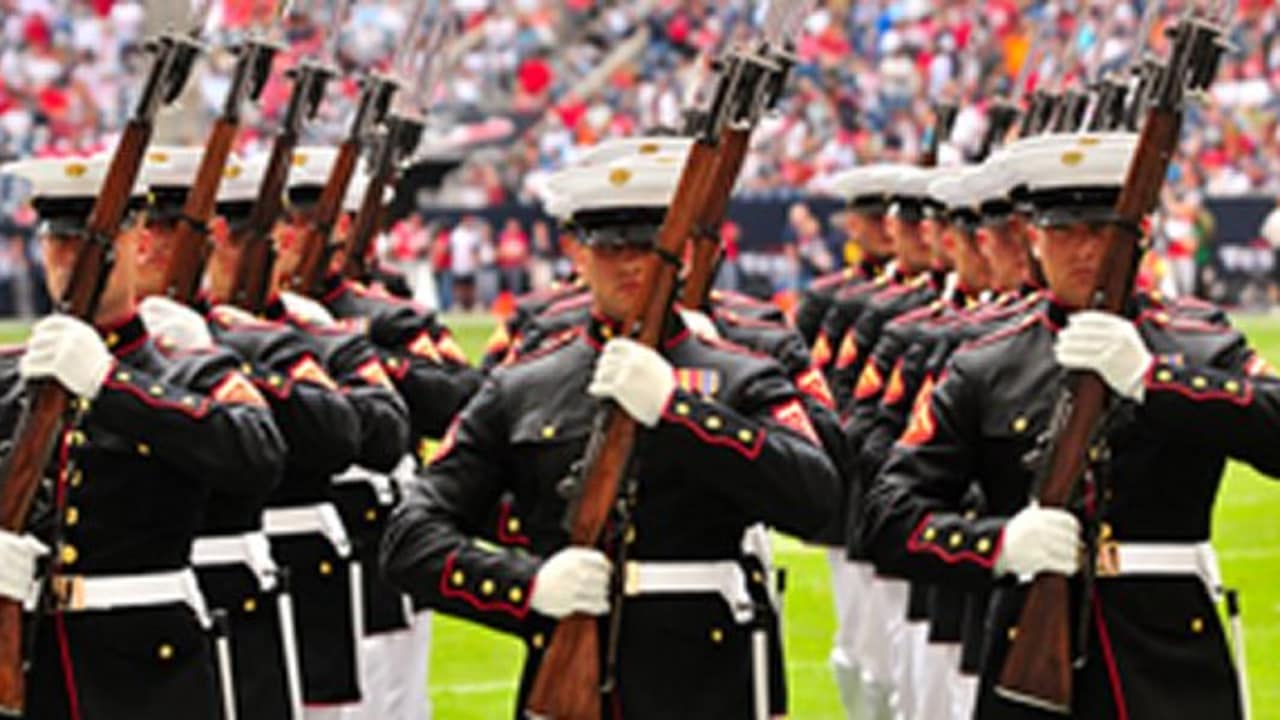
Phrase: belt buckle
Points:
(630, 579)
(68, 592)
(1108, 559)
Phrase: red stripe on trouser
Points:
(1108, 656)
(68, 672)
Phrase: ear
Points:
(1035, 239)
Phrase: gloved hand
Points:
(1108, 345)
(699, 323)
(177, 322)
(1040, 540)
(69, 351)
(235, 314)
(18, 555)
(305, 309)
(636, 377)
(574, 580)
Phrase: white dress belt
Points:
(251, 549)
(321, 519)
(724, 578)
(82, 593)
(1121, 559)
(382, 484)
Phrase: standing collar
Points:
(126, 336)
(601, 330)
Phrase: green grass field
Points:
(473, 670)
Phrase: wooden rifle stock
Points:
(42, 422)
(182, 278)
(252, 279)
(1038, 668)
(706, 241)
(567, 686)
(315, 240)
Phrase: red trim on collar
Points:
(504, 536)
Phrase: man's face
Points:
(1071, 257)
(615, 276)
(287, 235)
(224, 259)
(156, 242)
(869, 232)
(59, 253)
(969, 264)
(909, 245)
(1004, 250)
(932, 232)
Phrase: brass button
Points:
(717, 635)
(457, 578)
(326, 567)
(1197, 625)
(757, 577)
(714, 422)
(69, 554)
(165, 651)
(250, 604)
(970, 514)
(123, 376)
(1012, 634)
(630, 536)
(487, 587)
(190, 401)
(156, 390)
(1105, 531)
(1199, 383)
(548, 432)
(930, 534)
(144, 449)
(72, 516)
(1020, 424)
(246, 369)
(275, 381)
(113, 339)
(955, 540)
(537, 641)
(371, 515)
(515, 595)
(1164, 376)
(77, 438)
(746, 436)
(1232, 387)
(984, 546)
(682, 409)
(513, 525)
(77, 477)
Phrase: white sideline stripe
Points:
(478, 688)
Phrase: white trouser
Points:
(883, 631)
(936, 669)
(964, 696)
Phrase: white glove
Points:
(18, 555)
(1108, 345)
(574, 580)
(69, 351)
(1040, 540)
(699, 324)
(307, 310)
(235, 315)
(177, 322)
(636, 377)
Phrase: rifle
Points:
(1004, 113)
(252, 281)
(1113, 92)
(46, 415)
(944, 117)
(253, 68)
(376, 93)
(1038, 668)
(734, 142)
(568, 685)
(402, 132)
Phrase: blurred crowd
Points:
(577, 71)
